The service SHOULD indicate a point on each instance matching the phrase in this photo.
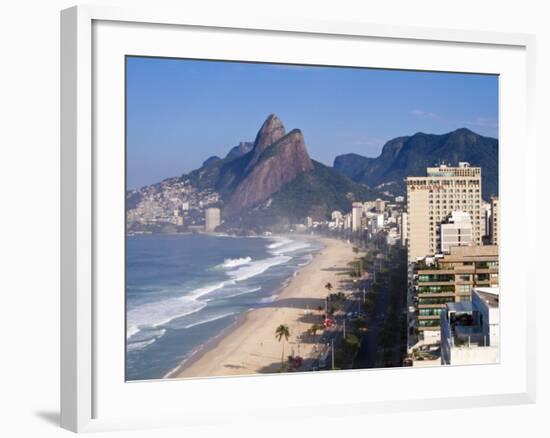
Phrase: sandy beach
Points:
(251, 347)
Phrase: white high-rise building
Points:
(493, 235)
(486, 209)
(404, 225)
(457, 231)
(212, 219)
(379, 221)
(347, 221)
(380, 205)
(356, 215)
(432, 198)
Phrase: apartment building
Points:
(456, 231)
(433, 198)
(404, 228)
(380, 205)
(212, 217)
(449, 279)
(356, 216)
(470, 332)
(493, 233)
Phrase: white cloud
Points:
(423, 114)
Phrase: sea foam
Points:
(233, 263)
(289, 246)
(210, 319)
(158, 313)
(147, 338)
(256, 268)
(162, 312)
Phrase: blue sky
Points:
(180, 112)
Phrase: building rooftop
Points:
(461, 307)
(489, 294)
(480, 250)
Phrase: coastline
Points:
(249, 345)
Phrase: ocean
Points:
(183, 290)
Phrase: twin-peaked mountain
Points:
(409, 156)
(276, 159)
(276, 177)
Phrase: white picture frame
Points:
(89, 79)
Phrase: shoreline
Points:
(248, 346)
(206, 347)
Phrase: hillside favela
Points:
(265, 260)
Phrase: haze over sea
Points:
(183, 290)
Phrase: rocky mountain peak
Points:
(272, 165)
(271, 131)
(210, 160)
(243, 148)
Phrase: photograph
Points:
(288, 218)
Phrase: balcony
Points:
(486, 265)
(428, 324)
(464, 269)
(438, 301)
(487, 271)
(423, 278)
(436, 283)
(437, 289)
(486, 283)
(431, 270)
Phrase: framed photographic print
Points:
(256, 207)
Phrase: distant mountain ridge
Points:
(410, 155)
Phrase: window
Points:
(430, 312)
(429, 323)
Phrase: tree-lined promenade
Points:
(384, 342)
(373, 334)
(365, 310)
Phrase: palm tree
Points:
(314, 329)
(360, 264)
(282, 332)
(328, 287)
